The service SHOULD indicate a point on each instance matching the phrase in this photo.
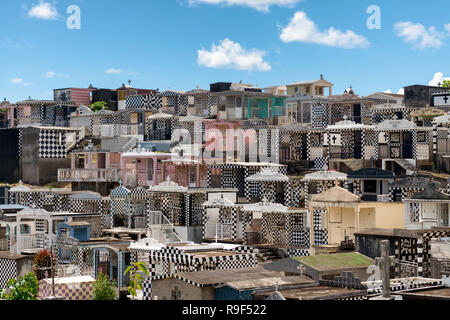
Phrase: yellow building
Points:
(310, 88)
(345, 214)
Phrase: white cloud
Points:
(113, 71)
(260, 5)
(418, 35)
(303, 29)
(16, 80)
(438, 78)
(447, 27)
(230, 54)
(44, 10)
(53, 74)
(50, 74)
(401, 91)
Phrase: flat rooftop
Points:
(241, 278)
(337, 261)
(316, 293)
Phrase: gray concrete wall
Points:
(30, 154)
(96, 224)
(194, 234)
(80, 122)
(163, 289)
(35, 170)
(370, 245)
(24, 266)
(100, 187)
(114, 144)
(48, 169)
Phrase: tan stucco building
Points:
(346, 214)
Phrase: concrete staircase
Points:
(267, 254)
(408, 166)
(162, 229)
(351, 164)
(124, 236)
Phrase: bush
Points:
(104, 289)
(25, 288)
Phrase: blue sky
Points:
(169, 43)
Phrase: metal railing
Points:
(26, 241)
(219, 231)
(130, 144)
(118, 130)
(157, 219)
(4, 244)
(286, 120)
(383, 198)
(140, 222)
(89, 175)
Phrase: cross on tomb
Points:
(384, 263)
(336, 183)
(176, 293)
(334, 139)
(302, 269)
(446, 99)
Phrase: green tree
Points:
(25, 288)
(104, 289)
(99, 105)
(446, 84)
(134, 271)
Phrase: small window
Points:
(421, 137)
(370, 186)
